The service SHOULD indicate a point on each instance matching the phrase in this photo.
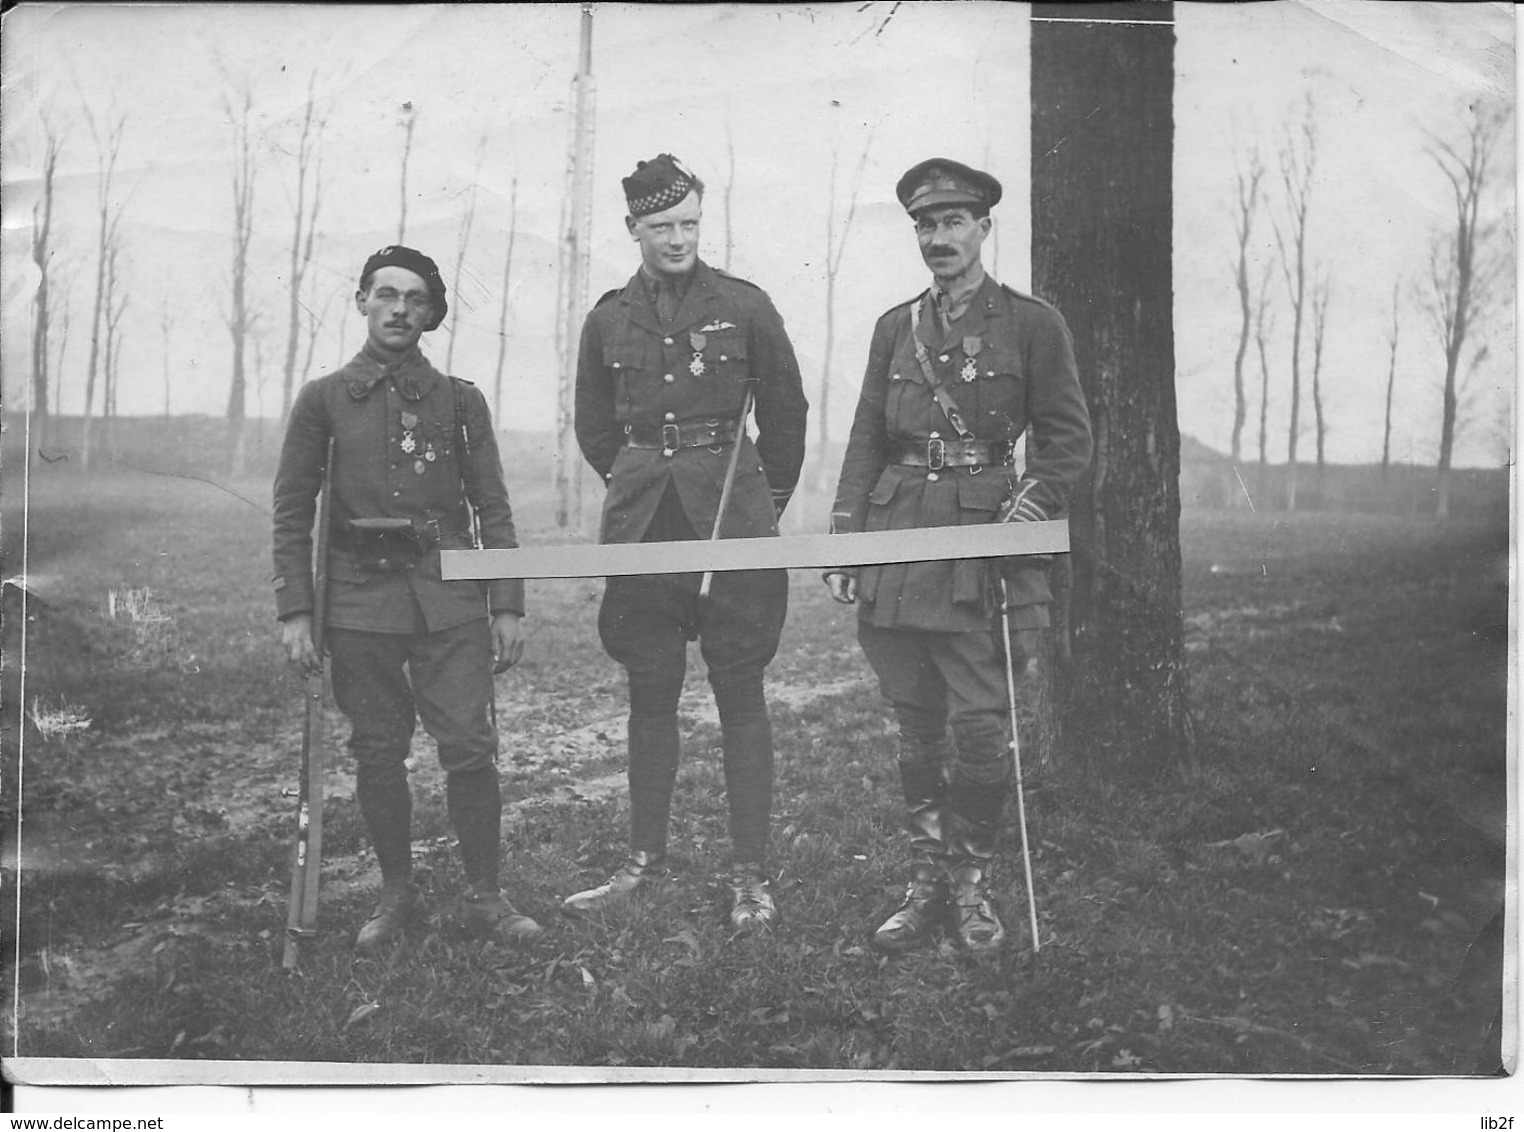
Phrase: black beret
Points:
(940, 181)
(395, 255)
(658, 184)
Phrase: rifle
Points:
(307, 852)
(726, 491)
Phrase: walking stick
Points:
(1021, 801)
(726, 490)
(307, 853)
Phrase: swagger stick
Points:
(727, 488)
(1021, 801)
(307, 855)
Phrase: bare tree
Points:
(240, 317)
(1298, 162)
(1464, 264)
(730, 184)
(166, 324)
(108, 145)
(460, 252)
(1391, 374)
(836, 246)
(1247, 174)
(1264, 329)
(502, 314)
(59, 301)
(116, 307)
(315, 322)
(1322, 292)
(42, 256)
(309, 159)
(409, 120)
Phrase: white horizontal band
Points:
(925, 544)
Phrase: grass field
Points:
(1322, 897)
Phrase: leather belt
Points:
(427, 536)
(688, 434)
(936, 454)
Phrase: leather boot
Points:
(641, 872)
(486, 912)
(973, 828)
(925, 903)
(751, 899)
(399, 901)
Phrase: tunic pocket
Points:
(979, 497)
(880, 499)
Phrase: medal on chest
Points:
(409, 443)
(971, 347)
(696, 339)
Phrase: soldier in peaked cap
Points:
(954, 378)
(664, 366)
(414, 453)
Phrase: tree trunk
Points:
(1102, 143)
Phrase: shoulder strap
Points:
(944, 398)
(463, 451)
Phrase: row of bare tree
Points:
(305, 317)
(1466, 261)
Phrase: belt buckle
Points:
(671, 437)
(936, 454)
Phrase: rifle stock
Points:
(307, 851)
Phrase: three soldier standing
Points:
(669, 367)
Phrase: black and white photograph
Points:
(1116, 402)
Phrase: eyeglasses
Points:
(416, 300)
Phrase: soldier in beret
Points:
(664, 367)
(954, 378)
(414, 454)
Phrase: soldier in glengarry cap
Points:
(955, 376)
(663, 370)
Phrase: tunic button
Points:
(667, 341)
(932, 477)
(894, 377)
(668, 378)
(943, 358)
(670, 417)
(724, 357)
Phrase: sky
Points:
(790, 90)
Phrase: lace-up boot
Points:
(642, 872)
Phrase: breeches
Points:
(934, 679)
(386, 682)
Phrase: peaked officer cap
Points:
(939, 181)
(658, 184)
(395, 255)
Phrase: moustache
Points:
(941, 249)
(403, 325)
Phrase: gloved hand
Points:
(1020, 507)
(843, 586)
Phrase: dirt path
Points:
(248, 792)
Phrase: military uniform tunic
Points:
(385, 469)
(634, 373)
(1008, 362)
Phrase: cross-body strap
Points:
(944, 398)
